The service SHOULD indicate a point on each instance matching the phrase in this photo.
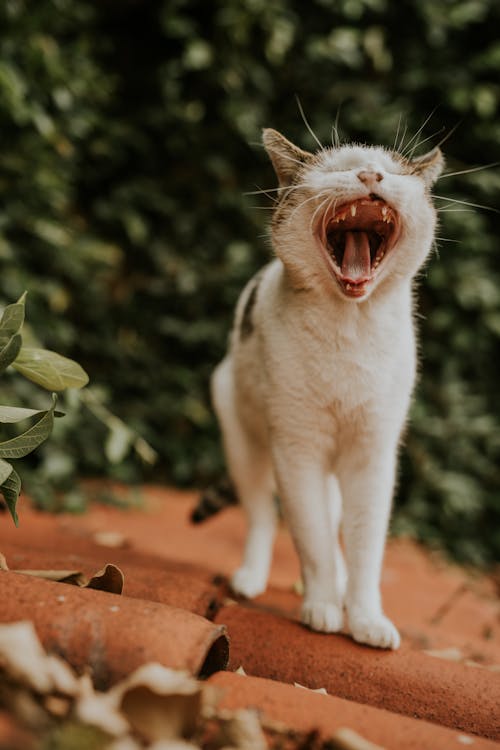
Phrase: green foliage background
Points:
(130, 132)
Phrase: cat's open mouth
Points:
(356, 238)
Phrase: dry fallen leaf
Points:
(24, 659)
(109, 579)
(113, 539)
(321, 691)
(160, 703)
(173, 745)
(59, 576)
(242, 729)
(99, 709)
(450, 654)
(347, 739)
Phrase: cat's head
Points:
(354, 217)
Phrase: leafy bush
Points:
(129, 135)
(42, 367)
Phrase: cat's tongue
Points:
(356, 262)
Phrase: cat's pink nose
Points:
(369, 178)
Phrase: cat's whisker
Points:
(402, 139)
(282, 155)
(338, 139)
(397, 131)
(306, 123)
(335, 137)
(448, 135)
(307, 200)
(318, 208)
(424, 140)
(454, 210)
(280, 189)
(331, 209)
(263, 208)
(472, 169)
(447, 239)
(406, 147)
(466, 203)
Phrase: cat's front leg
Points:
(302, 485)
(367, 485)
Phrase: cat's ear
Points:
(285, 156)
(429, 166)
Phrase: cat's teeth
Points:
(353, 210)
(384, 211)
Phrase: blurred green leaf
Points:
(50, 370)
(5, 470)
(10, 489)
(13, 414)
(25, 443)
(10, 351)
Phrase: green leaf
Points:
(10, 489)
(12, 414)
(27, 442)
(12, 320)
(50, 370)
(5, 470)
(10, 351)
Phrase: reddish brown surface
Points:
(12, 735)
(165, 559)
(113, 635)
(405, 681)
(305, 710)
(167, 582)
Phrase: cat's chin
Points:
(355, 240)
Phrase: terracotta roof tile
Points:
(406, 681)
(174, 579)
(304, 710)
(110, 634)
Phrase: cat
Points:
(313, 394)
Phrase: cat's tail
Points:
(214, 499)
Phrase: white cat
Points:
(314, 391)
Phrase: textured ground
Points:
(440, 690)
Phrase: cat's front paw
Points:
(322, 616)
(374, 630)
(248, 583)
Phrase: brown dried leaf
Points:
(57, 706)
(112, 539)
(99, 709)
(59, 576)
(242, 729)
(24, 660)
(110, 579)
(173, 745)
(347, 739)
(160, 703)
(450, 654)
(321, 691)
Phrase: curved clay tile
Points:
(110, 634)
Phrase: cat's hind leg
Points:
(250, 469)
(334, 500)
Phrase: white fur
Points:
(312, 403)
